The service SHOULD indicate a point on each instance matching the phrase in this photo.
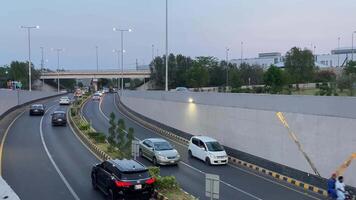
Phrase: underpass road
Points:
(258, 186)
(191, 180)
(28, 169)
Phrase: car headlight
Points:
(161, 157)
(212, 156)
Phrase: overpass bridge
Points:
(93, 74)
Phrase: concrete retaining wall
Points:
(11, 98)
(325, 126)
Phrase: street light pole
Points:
(58, 51)
(97, 59)
(166, 88)
(338, 55)
(42, 65)
(227, 68)
(352, 48)
(122, 55)
(29, 53)
(153, 52)
(118, 64)
(242, 52)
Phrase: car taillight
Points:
(122, 184)
(150, 181)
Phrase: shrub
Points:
(167, 182)
(84, 126)
(154, 171)
(97, 136)
(73, 111)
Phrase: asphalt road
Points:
(45, 162)
(236, 182)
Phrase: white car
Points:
(96, 96)
(64, 101)
(207, 149)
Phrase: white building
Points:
(337, 58)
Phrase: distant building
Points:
(337, 58)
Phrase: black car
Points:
(59, 118)
(37, 109)
(123, 179)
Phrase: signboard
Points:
(135, 149)
(212, 186)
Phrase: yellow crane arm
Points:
(341, 170)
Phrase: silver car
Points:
(159, 151)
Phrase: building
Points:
(337, 58)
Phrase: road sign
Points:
(135, 148)
(212, 186)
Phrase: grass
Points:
(313, 91)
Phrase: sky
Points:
(196, 28)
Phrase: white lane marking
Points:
(223, 182)
(80, 140)
(198, 170)
(236, 167)
(271, 181)
(52, 161)
(4, 138)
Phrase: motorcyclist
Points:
(340, 188)
(331, 187)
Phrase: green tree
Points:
(234, 77)
(121, 129)
(325, 76)
(300, 65)
(348, 77)
(251, 74)
(198, 75)
(129, 138)
(19, 72)
(112, 130)
(274, 79)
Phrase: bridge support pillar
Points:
(94, 84)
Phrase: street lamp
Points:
(166, 45)
(227, 68)
(29, 52)
(352, 46)
(122, 54)
(97, 59)
(118, 64)
(58, 50)
(242, 52)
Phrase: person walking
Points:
(331, 187)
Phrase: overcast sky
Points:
(197, 28)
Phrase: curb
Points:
(84, 138)
(232, 160)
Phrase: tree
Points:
(121, 129)
(19, 72)
(251, 74)
(348, 78)
(300, 65)
(234, 77)
(112, 132)
(274, 79)
(325, 76)
(198, 75)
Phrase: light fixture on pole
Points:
(97, 58)
(122, 55)
(58, 50)
(42, 65)
(29, 52)
(166, 85)
(242, 52)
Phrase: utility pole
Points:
(136, 64)
(153, 52)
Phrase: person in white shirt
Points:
(340, 188)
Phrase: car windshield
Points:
(135, 175)
(36, 106)
(214, 146)
(162, 146)
(58, 114)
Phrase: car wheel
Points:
(190, 154)
(93, 182)
(154, 160)
(207, 161)
(111, 195)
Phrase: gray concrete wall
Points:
(11, 98)
(325, 126)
